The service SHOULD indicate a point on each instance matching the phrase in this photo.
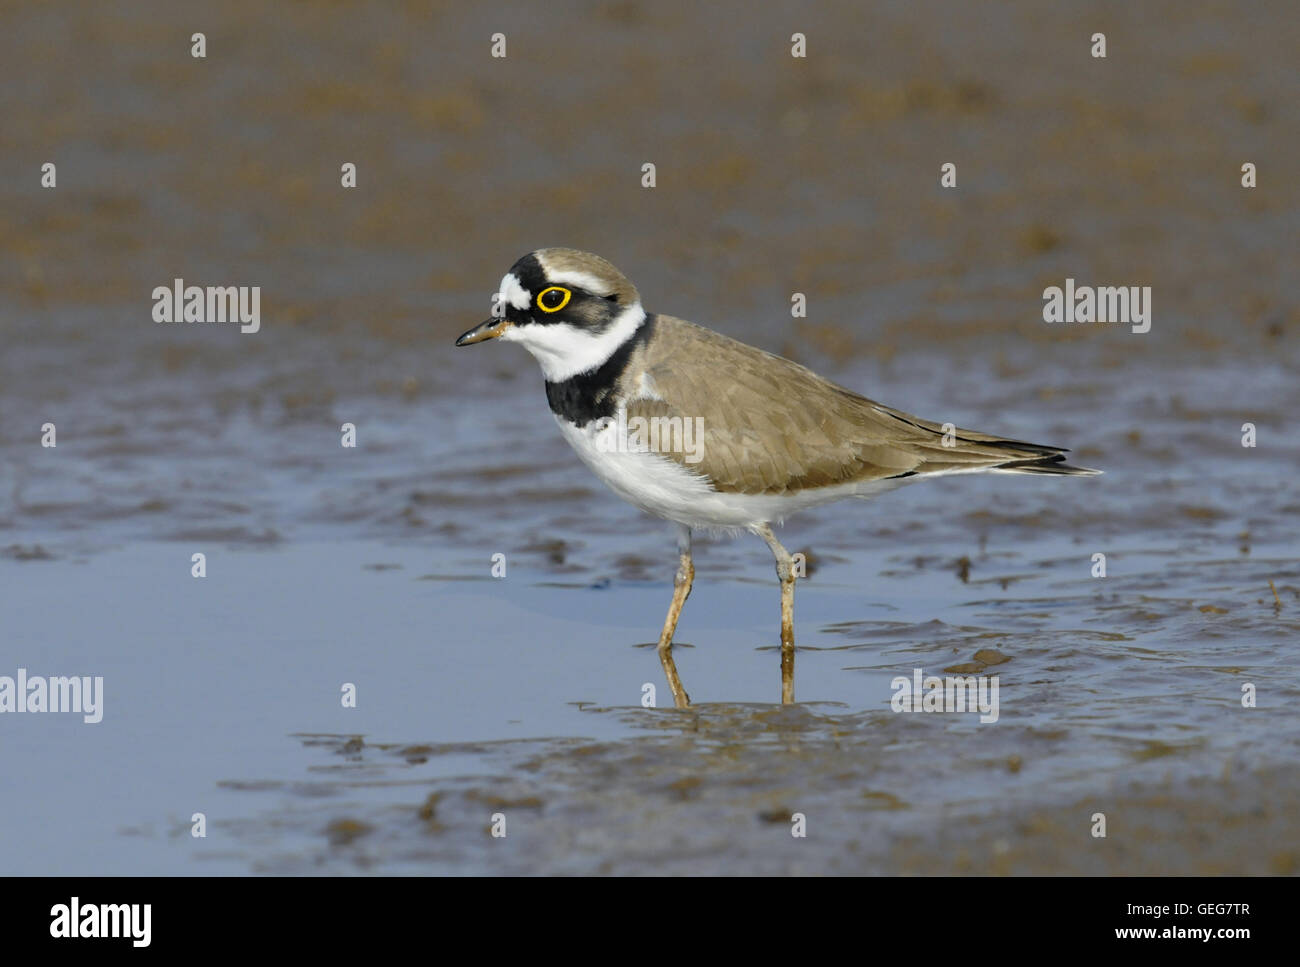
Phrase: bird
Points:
(710, 433)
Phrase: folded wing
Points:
(770, 426)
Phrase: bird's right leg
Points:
(681, 591)
(784, 571)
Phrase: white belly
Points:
(661, 486)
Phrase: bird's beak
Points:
(491, 329)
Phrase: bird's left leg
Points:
(785, 571)
(681, 591)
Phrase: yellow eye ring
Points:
(554, 288)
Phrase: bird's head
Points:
(570, 309)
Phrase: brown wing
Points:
(770, 425)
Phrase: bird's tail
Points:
(943, 448)
(1053, 464)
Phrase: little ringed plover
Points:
(707, 432)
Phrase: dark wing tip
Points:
(1054, 464)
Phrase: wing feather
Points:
(770, 426)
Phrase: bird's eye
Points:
(553, 299)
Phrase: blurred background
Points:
(775, 175)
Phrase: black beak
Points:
(490, 329)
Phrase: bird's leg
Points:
(785, 571)
(681, 591)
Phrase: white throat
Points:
(564, 351)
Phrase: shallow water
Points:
(522, 696)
